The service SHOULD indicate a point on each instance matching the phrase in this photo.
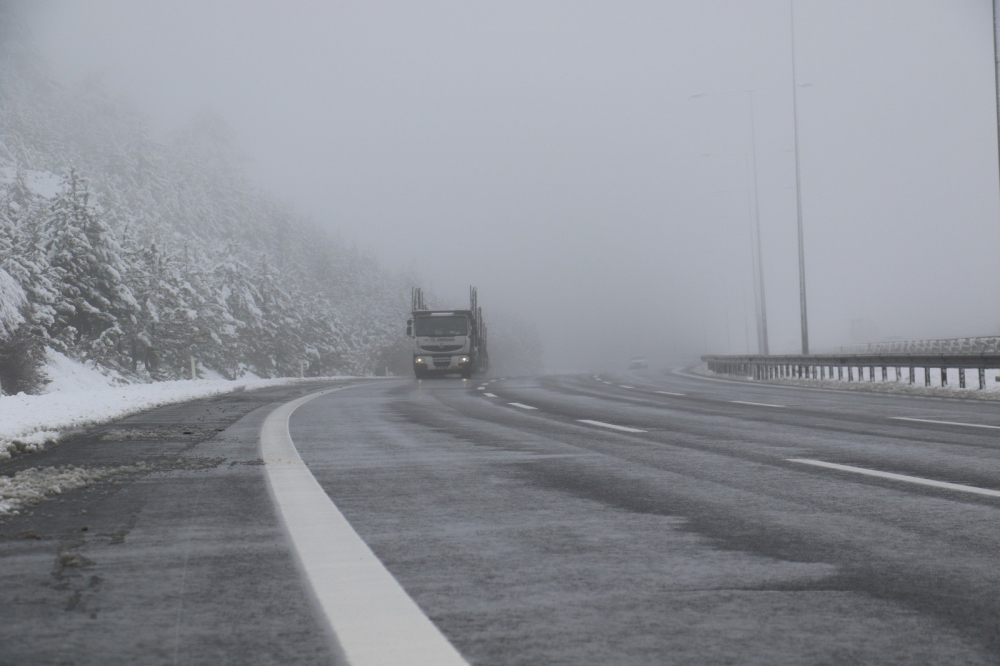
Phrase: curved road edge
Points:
(373, 620)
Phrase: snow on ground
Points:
(79, 395)
(43, 183)
(33, 485)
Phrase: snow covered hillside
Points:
(138, 255)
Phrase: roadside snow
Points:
(32, 485)
(81, 396)
(68, 376)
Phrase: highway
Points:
(592, 519)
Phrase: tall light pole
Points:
(996, 72)
(798, 192)
(755, 245)
(764, 347)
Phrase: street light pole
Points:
(756, 255)
(798, 191)
(762, 341)
(996, 72)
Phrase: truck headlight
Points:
(465, 359)
(419, 360)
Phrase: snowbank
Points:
(81, 396)
(33, 485)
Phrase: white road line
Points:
(900, 477)
(954, 423)
(602, 424)
(670, 393)
(755, 404)
(361, 601)
(517, 404)
(623, 386)
(489, 395)
(480, 388)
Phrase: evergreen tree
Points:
(85, 260)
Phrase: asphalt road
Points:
(632, 519)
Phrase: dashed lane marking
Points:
(481, 388)
(954, 423)
(669, 393)
(755, 404)
(623, 386)
(489, 395)
(612, 426)
(360, 600)
(899, 477)
(517, 404)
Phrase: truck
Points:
(447, 341)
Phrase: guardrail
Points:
(972, 345)
(822, 366)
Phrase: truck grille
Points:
(442, 362)
(445, 348)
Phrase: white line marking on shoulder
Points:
(623, 386)
(755, 404)
(489, 395)
(361, 601)
(517, 404)
(899, 477)
(670, 393)
(612, 426)
(954, 423)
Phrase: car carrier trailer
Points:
(447, 341)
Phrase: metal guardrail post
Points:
(821, 366)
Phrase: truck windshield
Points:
(441, 326)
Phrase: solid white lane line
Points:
(623, 386)
(954, 423)
(517, 404)
(361, 601)
(489, 395)
(755, 404)
(670, 393)
(602, 424)
(899, 477)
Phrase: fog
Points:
(586, 163)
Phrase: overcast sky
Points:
(556, 154)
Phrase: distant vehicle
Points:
(447, 341)
(638, 363)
